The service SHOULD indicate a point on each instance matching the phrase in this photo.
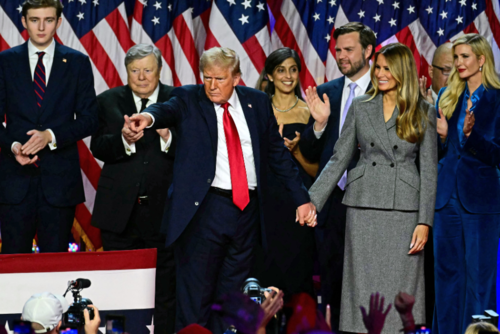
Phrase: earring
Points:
(480, 68)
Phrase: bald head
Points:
(442, 50)
(442, 62)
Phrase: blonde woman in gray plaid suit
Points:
(390, 194)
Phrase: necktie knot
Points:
(40, 54)
(352, 86)
(225, 106)
(144, 103)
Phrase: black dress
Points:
(288, 263)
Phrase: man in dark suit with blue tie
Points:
(355, 45)
(227, 137)
(47, 96)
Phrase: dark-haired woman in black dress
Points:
(288, 263)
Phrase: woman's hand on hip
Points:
(419, 238)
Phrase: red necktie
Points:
(39, 80)
(239, 182)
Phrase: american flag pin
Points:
(249, 105)
(64, 60)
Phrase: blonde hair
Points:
(480, 326)
(222, 57)
(412, 120)
(456, 85)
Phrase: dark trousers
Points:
(213, 257)
(465, 255)
(330, 238)
(34, 215)
(141, 233)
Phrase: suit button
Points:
(372, 144)
(395, 147)
(196, 203)
(459, 156)
(209, 181)
(146, 162)
(137, 184)
(40, 125)
(392, 165)
(374, 164)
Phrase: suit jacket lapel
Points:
(127, 103)
(453, 121)
(485, 106)
(59, 67)
(248, 110)
(336, 97)
(376, 115)
(27, 80)
(208, 112)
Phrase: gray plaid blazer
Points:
(392, 173)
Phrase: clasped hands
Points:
(37, 142)
(133, 129)
(306, 214)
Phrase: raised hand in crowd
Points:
(442, 126)
(129, 135)
(306, 214)
(374, 320)
(271, 306)
(92, 326)
(469, 121)
(22, 158)
(404, 305)
(320, 110)
(139, 122)
(426, 93)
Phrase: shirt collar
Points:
(362, 82)
(476, 96)
(50, 50)
(153, 97)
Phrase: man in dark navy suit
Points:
(137, 172)
(47, 96)
(355, 45)
(227, 137)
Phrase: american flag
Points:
(182, 29)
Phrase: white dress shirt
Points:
(165, 145)
(222, 177)
(362, 85)
(47, 60)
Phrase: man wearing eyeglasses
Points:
(442, 63)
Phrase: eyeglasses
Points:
(445, 71)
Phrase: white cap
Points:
(45, 309)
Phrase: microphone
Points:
(79, 283)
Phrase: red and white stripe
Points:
(253, 52)
(291, 32)
(178, 47)
(111, 273)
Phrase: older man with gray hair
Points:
(228, 136)
(137, 172)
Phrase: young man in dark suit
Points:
(228, 136)
(47, 96)
(137, 172)
(355, 45)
